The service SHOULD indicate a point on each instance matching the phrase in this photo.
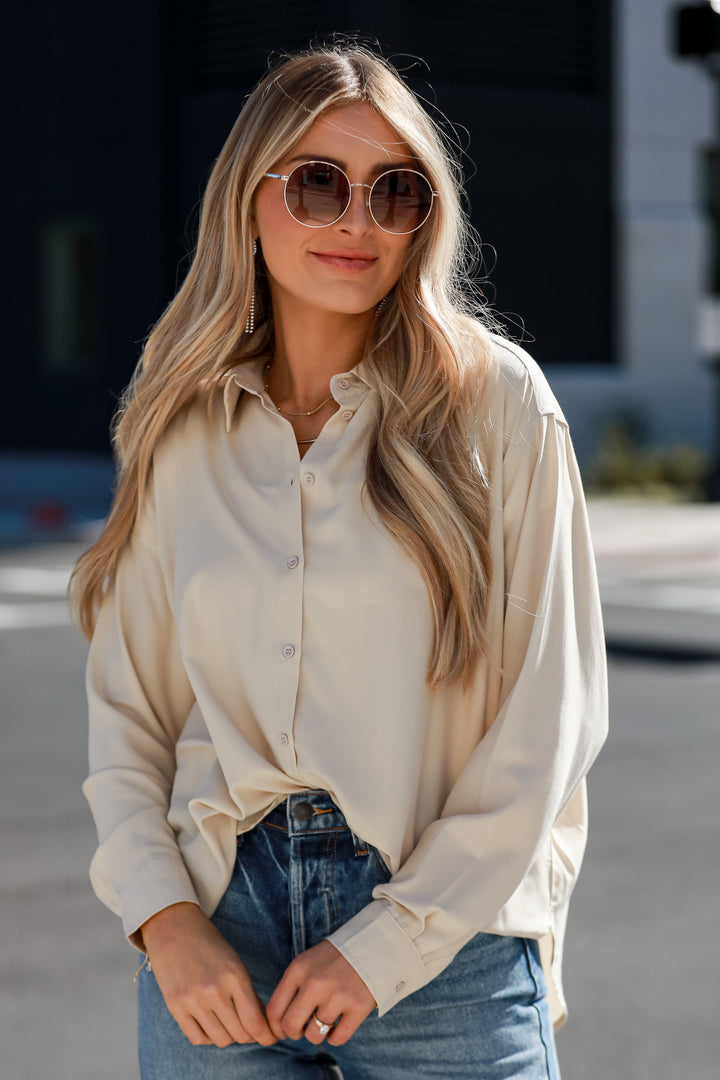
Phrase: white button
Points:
(292, 562)
(399, 988)
(283, 739)
(343, 384)
(308, 479)
(288, 651)
(348, 414)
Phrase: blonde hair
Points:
(424, 475)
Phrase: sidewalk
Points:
(643, 539)
(659, 571)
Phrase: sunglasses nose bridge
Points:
(368, 196)
(366, 200)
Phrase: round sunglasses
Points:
(317, 193)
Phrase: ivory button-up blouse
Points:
(265, 635)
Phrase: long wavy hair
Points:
(426, 353)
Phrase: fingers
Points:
(252, 1015)
(214, 1032)
(220, 1014)
(191, 1030)
(346, 1026)
(319, 983)
(205, 985)
(238, 1013)
(278, 1005)
(299, 1019)
(315, 1033)
(341, 1029)
(213, 1020)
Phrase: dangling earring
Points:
(381, 305)
(250, 321)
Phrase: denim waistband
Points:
(310, 812)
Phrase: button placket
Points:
(289, 624)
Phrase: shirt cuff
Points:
(384, 957)
(154, 884)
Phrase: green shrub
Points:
(623, 465)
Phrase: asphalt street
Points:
(643, 953)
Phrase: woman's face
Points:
(349, 266)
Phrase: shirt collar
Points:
(346, 387)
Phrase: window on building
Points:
(70, 294)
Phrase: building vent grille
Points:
(534, 44)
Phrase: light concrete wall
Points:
(663, 115)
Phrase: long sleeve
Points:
(550, 724)
(139, 699)
(265, 635)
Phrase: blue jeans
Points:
(299, 875)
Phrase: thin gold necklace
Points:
(285, 411)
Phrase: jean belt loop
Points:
(361, 846)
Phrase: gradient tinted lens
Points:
(317, 193)
(401, 200)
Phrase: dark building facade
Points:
(119, 111)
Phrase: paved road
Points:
(643, 950)
(66, 992)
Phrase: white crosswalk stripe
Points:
(35, 580)
(48, 583)
(32, 616)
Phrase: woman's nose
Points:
(357, 217)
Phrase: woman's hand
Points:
(205, 984)
(319, 982)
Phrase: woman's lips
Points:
(346, 260)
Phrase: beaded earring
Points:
(250, 321)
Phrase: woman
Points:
(347, 675)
